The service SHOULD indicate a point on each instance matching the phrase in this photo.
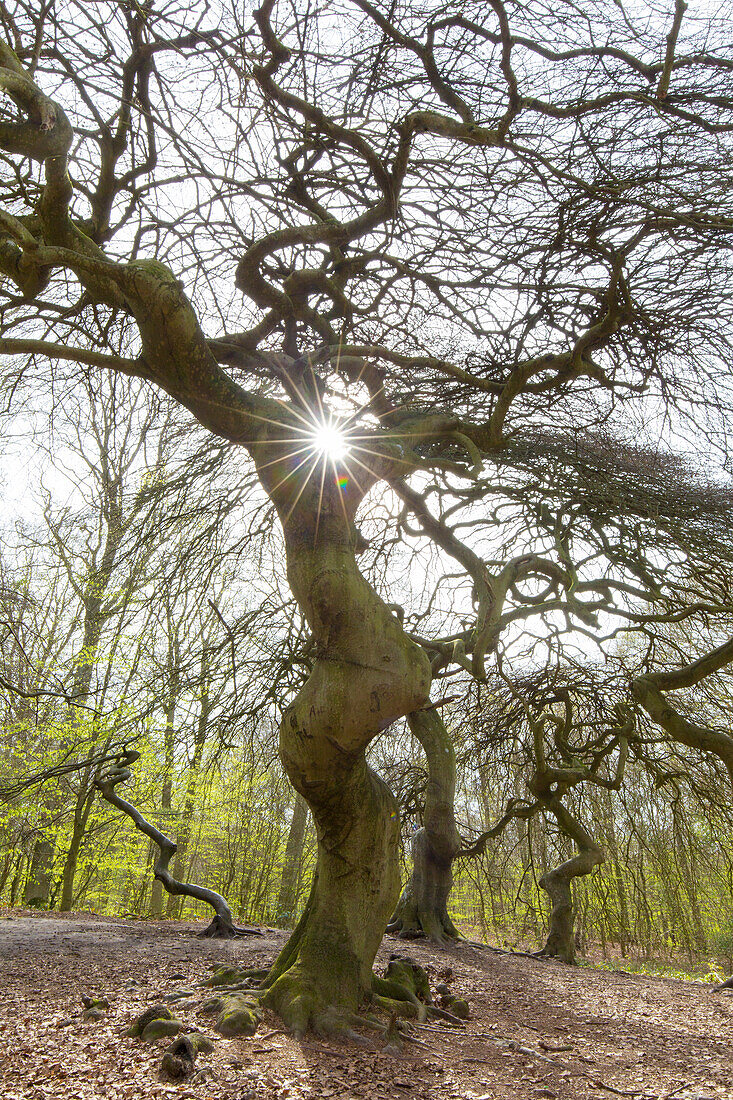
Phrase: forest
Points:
(129, 588)
(365, 538)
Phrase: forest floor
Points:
(537, 1029)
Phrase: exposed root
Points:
(443, 1014)
(221, 929)
(408, 923)
(235, 977)
(385, 990)
(396, 929)
(404, 991)
(555, 955)
(299, 1004)
(395, 1007)
(298, 1001)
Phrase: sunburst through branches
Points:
(330, 441)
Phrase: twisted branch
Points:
(222, 925)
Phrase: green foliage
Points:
(721, 941)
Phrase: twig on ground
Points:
(512, 1044)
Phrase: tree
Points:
(423, 904)
(30, 632)
(581, 756)
(131, 484)
(466, 240)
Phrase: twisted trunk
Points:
(557, 884)
(367, 673)
(222, 924)
(423, 905)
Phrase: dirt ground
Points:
(537, 1029)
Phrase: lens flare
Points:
(330, 442)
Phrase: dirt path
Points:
(537, 1029)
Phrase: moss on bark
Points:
(366, 674)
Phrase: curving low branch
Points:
(648, 693)
(222, 924)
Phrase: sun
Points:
(329, 441)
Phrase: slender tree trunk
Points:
(557, 884)
(5, 873)
(82, 809)
(166, 795)
(17, 877)
(625, 934)
(94, 619)
(174, 907)
(38, 883)
(287, 897)
(97, 612)
(423, 905)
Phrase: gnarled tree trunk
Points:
(423, 905)
(367, 673)
(557, 884)
(222, 925)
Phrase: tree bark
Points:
(96, 614)
(367, 674)
(82, 809)
(38, 884)
(288, 895)
(166, 796)
(423, 905)
(175, 906)
(557, 884)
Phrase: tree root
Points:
(408, 924)
(403, 995)
(220, 928)
(404, 991)
(226, 976)
(403, 1009)
(301, 1007)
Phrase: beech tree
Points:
(449, 255)
(567, 738)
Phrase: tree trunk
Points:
(557, 884)
(222, 924)
(423, 905)
(83, 804)
(288, 895)
(94, 619)
(174, 907)
(367, 674)
(324, 970)
(166, 797)
(38, 884)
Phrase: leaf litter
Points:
(537, 1029)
